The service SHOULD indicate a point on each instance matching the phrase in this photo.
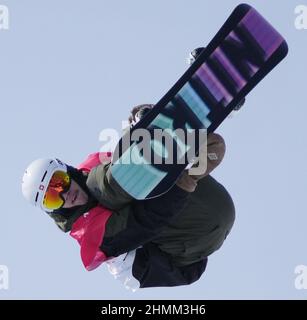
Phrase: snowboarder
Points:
(163, 241)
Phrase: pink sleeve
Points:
(95, 159)
(89, 230)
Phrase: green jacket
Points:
(197, 232)
(109, 194)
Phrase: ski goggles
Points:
(59, 184)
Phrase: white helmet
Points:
(37, 177)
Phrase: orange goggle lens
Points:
(59, 184)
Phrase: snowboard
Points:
(241, 54)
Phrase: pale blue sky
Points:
(72, 68)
